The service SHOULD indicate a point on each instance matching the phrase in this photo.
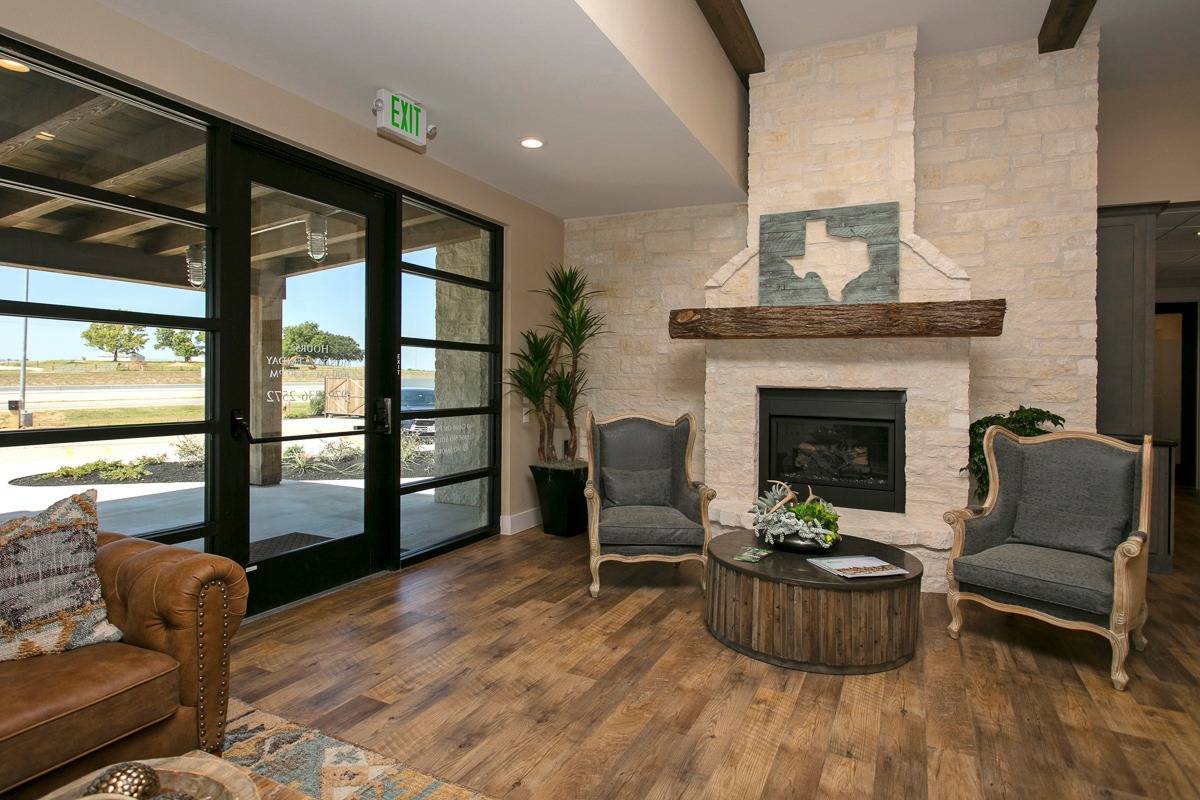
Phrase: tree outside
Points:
(184, 344)
(307, 339)
(115, 339)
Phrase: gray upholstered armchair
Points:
(642, 502)
(1062, 536)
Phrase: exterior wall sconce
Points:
(197, 266)
(317, 229)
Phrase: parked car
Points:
(414, 398)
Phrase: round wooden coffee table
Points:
(786, 612)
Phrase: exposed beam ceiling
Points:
(493, 72)
(733, 30)
(1063, 25)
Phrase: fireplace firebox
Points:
(847, 445)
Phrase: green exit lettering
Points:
(406, 116)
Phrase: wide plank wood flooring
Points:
(493, 668)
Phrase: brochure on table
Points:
(857, 566)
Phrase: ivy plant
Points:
(1023, 422)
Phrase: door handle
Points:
(241, 429)
(381, 420)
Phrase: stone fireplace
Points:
(1003, 182)
(815, 201)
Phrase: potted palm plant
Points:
(550, 375)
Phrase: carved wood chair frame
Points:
(597, 558)
(1130, 561)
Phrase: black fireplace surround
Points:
(847, 445)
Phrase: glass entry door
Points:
(313, 433)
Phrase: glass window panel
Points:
(437, 448)
(463, 381)
(305, 493)
(458, 247)
(307, 317)
(433, 309)
(77, 254)
(64, 130)
(143, 485)
(72, 381)
(434, 516)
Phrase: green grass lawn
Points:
(91, 417)
(106, 373)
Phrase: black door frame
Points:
(1185, 473)
(228, 356)
(306, 571)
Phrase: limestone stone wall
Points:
(832, 126)
(644, 265)
(1006, 186)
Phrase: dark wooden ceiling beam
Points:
(1064, 22)
(91, 110)
(733, 30)
(112, 184)
(440, 231)
(49, 252)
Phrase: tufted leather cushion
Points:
(79, 700)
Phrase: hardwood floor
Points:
(493, 668)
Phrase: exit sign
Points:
(399, 117)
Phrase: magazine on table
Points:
(857, 566)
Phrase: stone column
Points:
(459, 382)
(267, 292)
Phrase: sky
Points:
(308, 300)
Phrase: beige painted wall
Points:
(1148, 139)
(91, 33)
(670, 43)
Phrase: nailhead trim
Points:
(218, 728)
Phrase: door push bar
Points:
(381, 423)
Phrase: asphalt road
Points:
(57, 398)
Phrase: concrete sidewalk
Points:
(331, 508)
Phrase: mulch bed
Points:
(175, 472)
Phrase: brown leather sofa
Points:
(161, 691)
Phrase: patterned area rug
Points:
(322, 766)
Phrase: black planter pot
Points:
(560, 495)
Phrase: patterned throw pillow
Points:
(49, 591)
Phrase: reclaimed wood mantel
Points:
(954, 318)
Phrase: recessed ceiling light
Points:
(13, 64)
(532, 142)
(45, 136)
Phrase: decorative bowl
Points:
(202, 777)
(795, 544)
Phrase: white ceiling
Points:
(491, 72)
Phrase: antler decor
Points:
(779, 518)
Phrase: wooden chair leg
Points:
(955, 615)
(595, 587)
(1120, 648)
(1138, 638)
